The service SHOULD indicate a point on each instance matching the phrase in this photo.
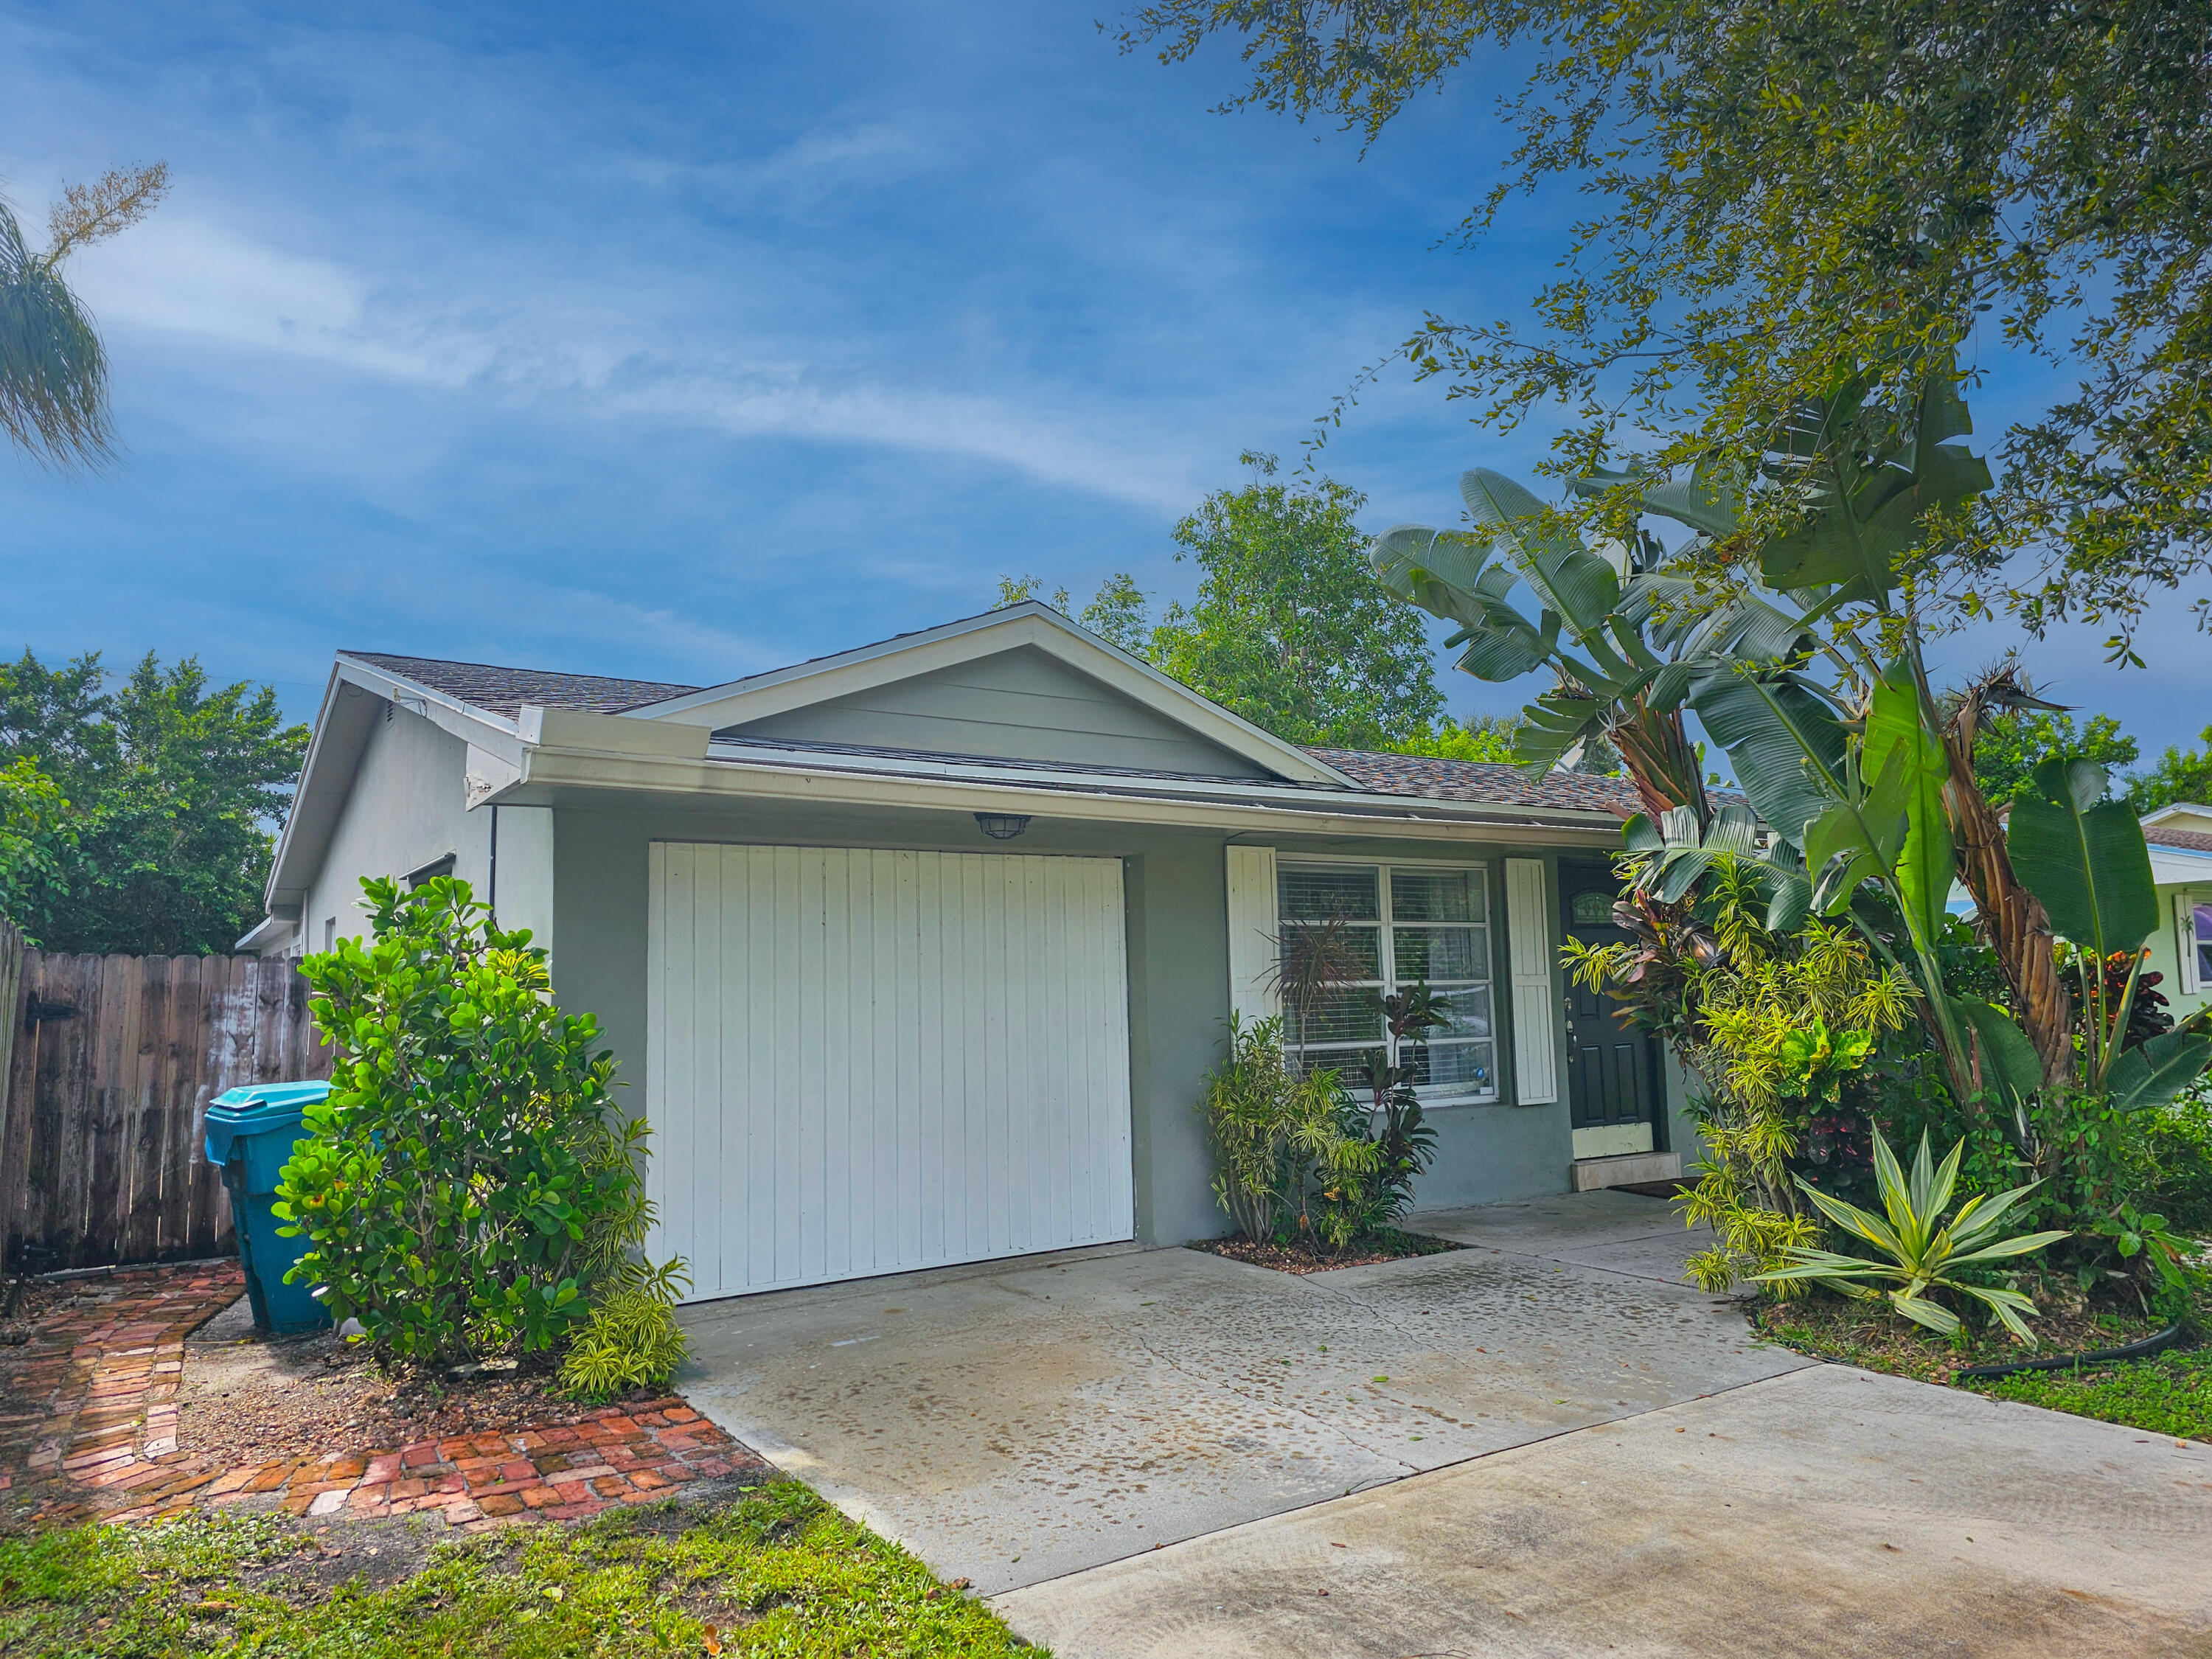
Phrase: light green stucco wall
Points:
(2165, 945)
(1177, 927)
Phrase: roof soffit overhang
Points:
(552, 773)
(759, 697)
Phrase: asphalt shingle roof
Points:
(2187, 840)
(502, 692)
(1487, 781)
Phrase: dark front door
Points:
(1612, 1073)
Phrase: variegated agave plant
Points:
(1923, 1251)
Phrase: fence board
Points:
(176, 1089)
(102, 1121)
(147, 1151)
(114, 982)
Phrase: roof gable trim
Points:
(760, 696)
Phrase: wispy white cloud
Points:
(197, 280)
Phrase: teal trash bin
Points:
(250, 1133)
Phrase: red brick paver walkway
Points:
(89, 1429)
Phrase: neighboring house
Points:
(2180, 839)
(921, 954)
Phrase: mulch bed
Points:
(96, 1402)
(1860, 1333)
(247, 1398)
(1387, 1245)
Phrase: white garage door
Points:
(865, 1062)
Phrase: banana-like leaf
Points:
(1451, 574)
(1674, 856)
(1785, 744)
(1927, 863)
(1790, 904)
(2008, 1061)
(1863, 518)
(1570, 578)
(1552, 725)
(2084, 857)
(2160, 1069)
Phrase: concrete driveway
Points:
(1544, 1444)
(1827, 1512)
(1018, 1423)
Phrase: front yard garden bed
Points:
(2167, 1393)
(1385, 1244)
(247, 1399)
(775, 1570)
(1864, 1333)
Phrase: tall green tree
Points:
(173, 786)
(1289, 627)
(2181, 774)
(2009, 747)
(1769, 191)
(53, 370)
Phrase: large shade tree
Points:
(143, 812)
(1771, 190)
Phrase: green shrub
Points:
(632, 1340)
(469, 1184)
(2180, 1148)
(1298, 1159)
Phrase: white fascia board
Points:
(334, 751)
(474, 725)
(1060, 781)
(315, 776)
(2179, 866)
(1303, 813)
(761, 695)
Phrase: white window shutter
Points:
(1528, 943)
(1253, 924)
(2185, 943)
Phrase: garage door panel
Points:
(865, 1062)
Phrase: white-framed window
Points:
(2202, 914)
(1389, 927)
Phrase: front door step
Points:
(1592, 1173)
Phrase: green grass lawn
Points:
(776, 1571)
(2166, 1394)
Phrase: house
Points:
(2180, 838)
(921, 954)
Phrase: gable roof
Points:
(906, 656)
(502, 692)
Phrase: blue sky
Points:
(687, 342)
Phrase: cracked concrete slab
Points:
(1029, 1421)
(1826, 1511)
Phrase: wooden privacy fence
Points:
(115, 1060)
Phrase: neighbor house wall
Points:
(2165, 946)
(405, 810)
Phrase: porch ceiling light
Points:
(1002, 826)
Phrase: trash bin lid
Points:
(257, 1110)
